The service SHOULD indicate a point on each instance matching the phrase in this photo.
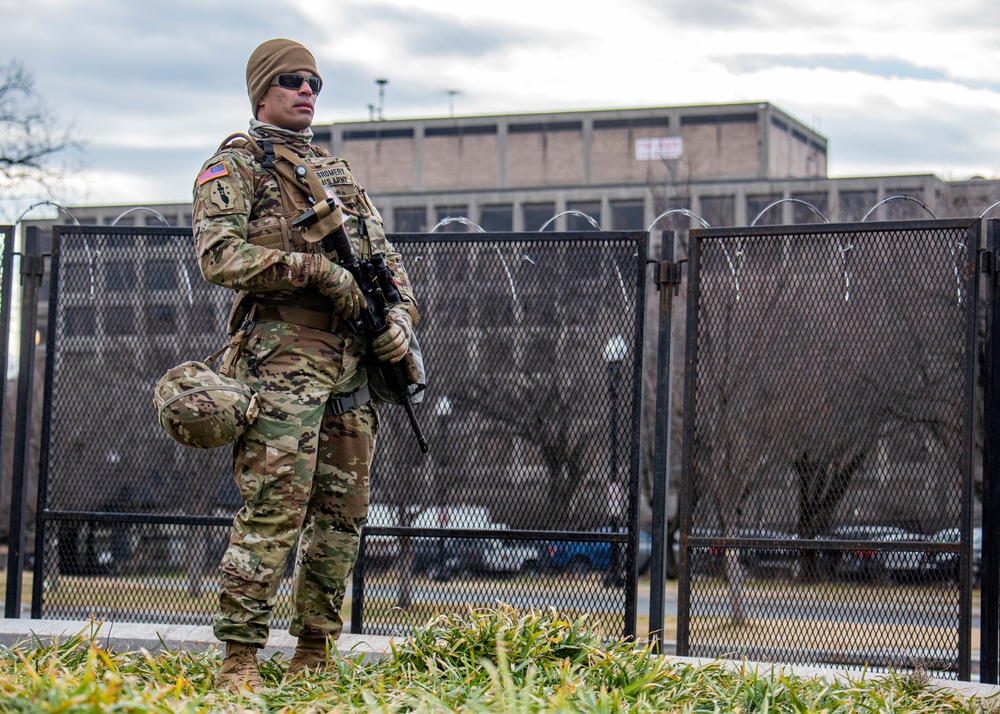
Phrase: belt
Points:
(317, 319)
(342, 405)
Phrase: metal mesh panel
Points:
(530, 346)
(827, 518)
(137, 572)
(127, 304)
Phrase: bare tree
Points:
(30, 136)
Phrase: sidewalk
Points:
(130, 637)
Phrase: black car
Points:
(759, 562)
(944, 566)
(871, 564)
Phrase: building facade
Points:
(720, 165)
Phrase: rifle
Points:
(374, 278)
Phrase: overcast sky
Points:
(152, 87)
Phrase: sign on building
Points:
(657, 148)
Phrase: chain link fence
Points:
(827, 511)
(533, 352)
(827, 508)
(530, 493)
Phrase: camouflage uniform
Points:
(301, 469)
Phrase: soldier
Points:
(302, 466)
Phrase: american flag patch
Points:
(217, 171)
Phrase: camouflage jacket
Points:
(242, 219)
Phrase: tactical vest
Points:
(303, 182)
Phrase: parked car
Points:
(582, 557)
(770, 562)
(382, 551)
(945, 565)
(445, 558)
(760, 562)
(872, 564)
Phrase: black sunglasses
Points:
(294, 81)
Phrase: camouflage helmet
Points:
(202, 409)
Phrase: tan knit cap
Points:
(272, 58)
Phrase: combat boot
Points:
(310, 656)
(239, 673)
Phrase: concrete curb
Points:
(132, 637)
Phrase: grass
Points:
(492, 660)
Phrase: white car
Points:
(511, 556)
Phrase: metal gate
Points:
(532, 344)
(827, 516)
(530, 493)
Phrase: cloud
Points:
(886, 67)
(730, 14)
(879, 66)
(419, 33)
(911, 142)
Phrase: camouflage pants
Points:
(303, 473)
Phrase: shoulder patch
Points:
(213, 172)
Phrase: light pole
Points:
(614, 354)
(442, 408)
(381, 97)
(452, 93)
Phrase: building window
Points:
(756, 204)
(627, 215)
(160, 320)
(77, 277)
(120, 240)
(119, 277)
(410, 220)
(541, 127)
(905, 208)
(203, 321)
(536, 214)
(472, 130)
(718, 211)
(497, 219)
(719, 118)
(377, 134)
(633, 123)
(443, 212)
(165, 239)
(118, 320)
(160, 275)
(854, 204)
(80, 321)
(804, 214)
(579, 223)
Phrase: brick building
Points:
(624, 167)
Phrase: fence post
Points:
(661, 445)
(990, 593)
(6, 290)
(32, 269)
